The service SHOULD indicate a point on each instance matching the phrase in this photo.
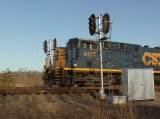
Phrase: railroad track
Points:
(45, 90)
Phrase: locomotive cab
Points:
(81, 53)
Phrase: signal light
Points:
(106, 23)
(92, 24)
(45, 46)
(54, 44)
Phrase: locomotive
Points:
(79, 63)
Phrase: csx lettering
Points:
(149, 58)
(89, 53)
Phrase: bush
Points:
(6, 79)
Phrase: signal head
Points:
(54, 44)
(92, 24)
(106, 23)
(45, 46)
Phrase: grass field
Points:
(22, 78)
(68, 106)
(73, 106)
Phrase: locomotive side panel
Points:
(78, 63)
(122, 55)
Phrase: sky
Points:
(25, 24)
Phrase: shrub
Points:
(6, 79)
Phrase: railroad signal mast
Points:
(103, 29)
(49, 48)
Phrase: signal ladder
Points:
(110, 73)
(110, 78)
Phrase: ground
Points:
(74, 106)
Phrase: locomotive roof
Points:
(92, 40)
(87, 40)
(77, 39)
(74, 40)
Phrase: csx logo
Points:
(149, 58)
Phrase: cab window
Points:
(87, 45)
(121, 46)
(106, 45)
(94, 46)
(136, 48)
(72, 44)
(91, 46)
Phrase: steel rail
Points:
(45, 90)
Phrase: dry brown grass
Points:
(71, 106)
(68, 106)
(24, 78)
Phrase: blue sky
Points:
(25, 24)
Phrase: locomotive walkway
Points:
(52, 90)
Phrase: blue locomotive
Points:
(79, 63)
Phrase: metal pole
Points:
(50, 45)
(101, 93)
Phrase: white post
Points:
(50, 51)
(102, 94)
